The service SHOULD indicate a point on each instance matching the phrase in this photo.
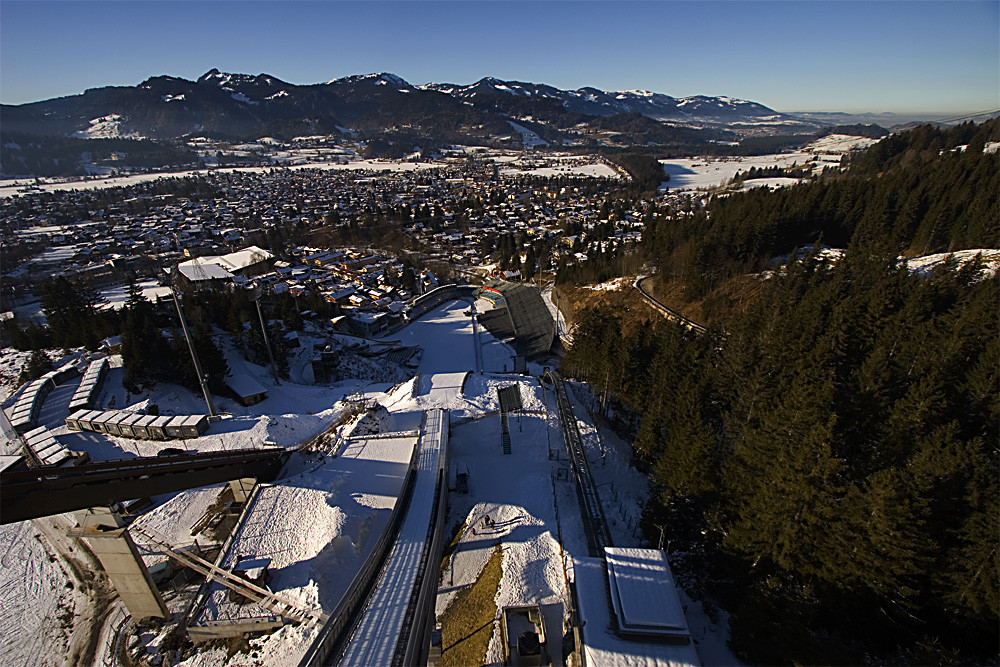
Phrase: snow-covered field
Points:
(299, 160)
(529, 137)
(839, 144)
(105, 127)
(592, 170)
(775, 182)
(708, 172)
(51, 607)
(10, 187)
(115, 297)
(704, 172)
(924, 265)
(685, 173)
(33, 589)
(11, 363)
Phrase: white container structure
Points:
(138, 426)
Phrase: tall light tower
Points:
(274, 369)
(194, 355)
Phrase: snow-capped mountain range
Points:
(698, 109)
(226, 105)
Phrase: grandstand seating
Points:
(523, 317)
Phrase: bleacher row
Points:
(427, 302)
(24, 415)
(534, 327)
(498, 323)
(83, 398)
(520, 314)
(47, 449)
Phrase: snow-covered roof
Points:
(203, 268)
(253, 568)
(220, 267)
(367, 317)
(241, 259)
(601, 644)
(244, 385)
(643, 593)
(341, 293)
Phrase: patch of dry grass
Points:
(718, 306)
(467, 624)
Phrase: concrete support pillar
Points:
(121, 561)
(241, 488)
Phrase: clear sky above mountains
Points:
(906, 57)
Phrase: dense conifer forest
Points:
(826, 460)
(58, 156)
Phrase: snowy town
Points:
(464, 221)
(312, 416)
(391, 459)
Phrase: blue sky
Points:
(845, 55)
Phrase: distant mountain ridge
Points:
(244, 106)
(593, 101)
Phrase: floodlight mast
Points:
(194, 355)
(257, 293)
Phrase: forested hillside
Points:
(915, 192)
(827, 466)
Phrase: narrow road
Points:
(669, 313)
(564, 335)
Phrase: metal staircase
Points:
(505, 432)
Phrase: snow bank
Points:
(173, 520)
(317, 528)
(840, 143)
(924, 265)
(708, 172)
(611, 286)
